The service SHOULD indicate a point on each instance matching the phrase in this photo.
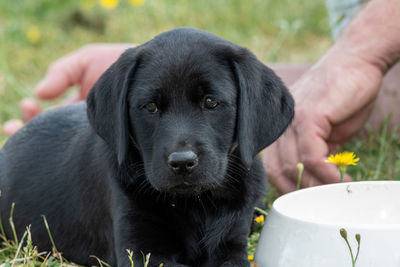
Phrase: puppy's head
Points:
(186, 100)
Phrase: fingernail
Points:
(27, 102)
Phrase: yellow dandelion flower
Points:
(109, 4)
(33, 35)
(136, 2)
(250, 257)
(343, 159)
(259, 219)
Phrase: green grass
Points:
(275, 30)
(285, 31)
(379, 153)
(23, 252)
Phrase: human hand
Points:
(334, 98)
(333, 101)
(80, 68)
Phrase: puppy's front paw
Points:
(173, 265)
(236, 263)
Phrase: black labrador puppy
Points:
(161, 159)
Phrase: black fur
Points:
(103, 181)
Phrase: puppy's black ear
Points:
(265, 106)
(107, 103)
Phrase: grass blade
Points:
(49, 233)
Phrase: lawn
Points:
(35, 33)
(274, 30)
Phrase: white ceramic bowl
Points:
(302, 229)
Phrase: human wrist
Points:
(333, 83)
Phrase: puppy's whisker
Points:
(237, 167)
(141, 188)
(232, 172)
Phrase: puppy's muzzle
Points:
(183, 163)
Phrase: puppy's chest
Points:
(202, 233)
(195, 230)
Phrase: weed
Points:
(343, 234)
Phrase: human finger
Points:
(61, 75)
(29, 109)
(314, 151)
(74, 98)
(288, 154)
(12, 126)
(272, 164)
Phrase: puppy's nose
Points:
(183, 162)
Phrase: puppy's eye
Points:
(210, 103)
(151, 107)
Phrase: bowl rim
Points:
(275, 208)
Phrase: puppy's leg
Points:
(236, 263)
(235, 244)
(237, 255)
(134, 232)
(122, 243)
(139, 259)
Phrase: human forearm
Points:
(373, 35)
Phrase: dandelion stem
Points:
(343, 233)
(358, 250)
(342, 170)
(358, 238)
(351, 252)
